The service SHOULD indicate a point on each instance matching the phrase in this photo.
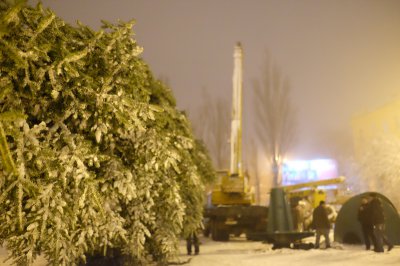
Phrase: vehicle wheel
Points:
(219, 232)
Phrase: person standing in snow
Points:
(365, 219)
(321, 224)
(378, 221)
(192, 240)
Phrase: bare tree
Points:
(252, 165)
(212, 125)
(274, 115)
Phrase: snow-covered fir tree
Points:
(379, 167)
(94, 154)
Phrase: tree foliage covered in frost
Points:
(380, 167)
(94, 154)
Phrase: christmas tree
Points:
(95, 156)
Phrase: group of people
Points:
(370, 215)
(372, 220)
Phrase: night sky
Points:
(342, 57)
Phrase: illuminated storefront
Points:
(301, 171)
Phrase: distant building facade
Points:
(378, 123)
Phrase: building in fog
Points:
(378, 123)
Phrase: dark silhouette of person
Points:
(321, 224)
(192, 240)
(367, 227)
(378, 221)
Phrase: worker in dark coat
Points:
(321, 224)
(378, 221)
(192, 240)
(365, 218)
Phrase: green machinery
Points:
(280, 229)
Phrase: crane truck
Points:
(309, 194)
(232, 209)
(311, 191)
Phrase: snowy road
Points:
(244, 253)
(239, 252)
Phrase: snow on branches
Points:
(94, 154)
(380, 167)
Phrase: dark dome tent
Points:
(348, 229)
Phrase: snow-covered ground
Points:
(245, 253)
(239, 252)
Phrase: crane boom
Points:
(231, 210)
(236, 123)
(234, 188)
(315, 184)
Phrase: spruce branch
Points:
(6, 157)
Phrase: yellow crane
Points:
(311, 190)
(232, 211)
(233, 188)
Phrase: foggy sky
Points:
(342, 57)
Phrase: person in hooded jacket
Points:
(365, 218)
(321, 224)
(378, 221)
